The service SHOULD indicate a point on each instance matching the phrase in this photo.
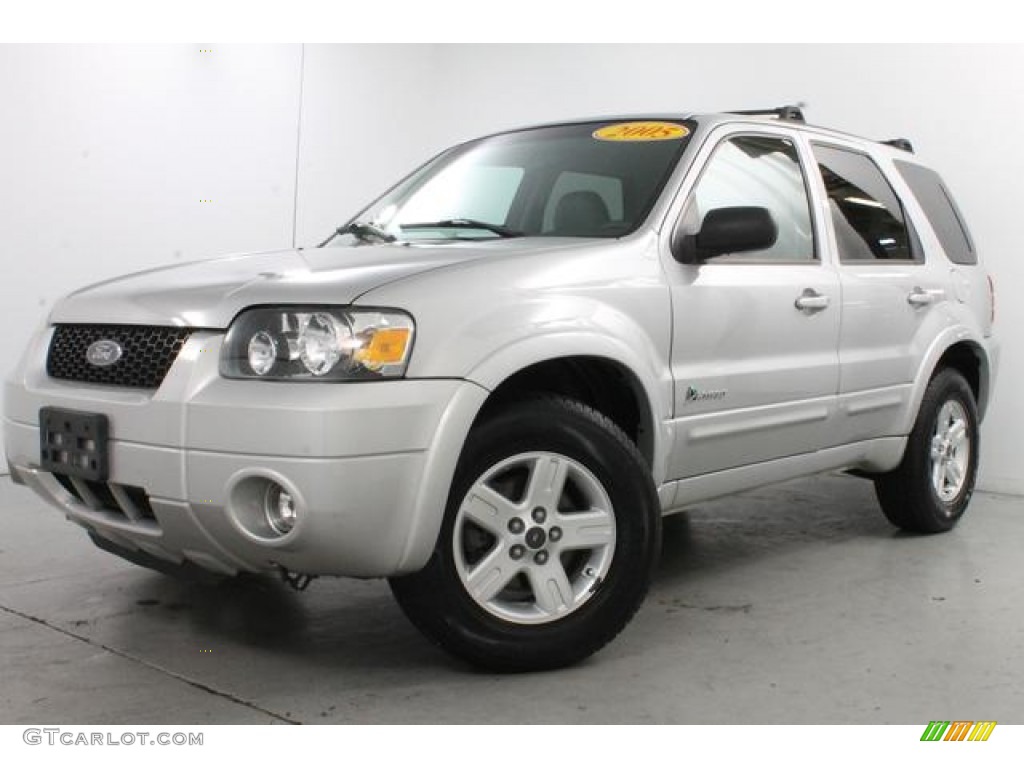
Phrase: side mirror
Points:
(726, 230)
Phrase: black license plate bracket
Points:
(74, 443)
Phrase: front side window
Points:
(760, 171)
(597, 179)
(868, 219)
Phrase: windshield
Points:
(597, 179)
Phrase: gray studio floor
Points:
(792, 604)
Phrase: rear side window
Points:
(867, 216)
(941, 210)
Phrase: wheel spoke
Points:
(490, 575)
(547, 480)
(488, 508)
(957, 434)
(945, 417)
(551, 588)
(586, 530)
(955, 473)
(939, 475)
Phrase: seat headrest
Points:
(582, 213)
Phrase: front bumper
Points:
(367, 463)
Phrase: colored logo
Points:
(641, 131)
(959, 730)
(694, 395)
(103, 353)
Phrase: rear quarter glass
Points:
(942, 211)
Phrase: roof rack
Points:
(794, 113)
(903, 144)
(788, 112)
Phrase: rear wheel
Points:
(548, 543)
(930, 490)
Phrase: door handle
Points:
(919, 297)
(811, 301)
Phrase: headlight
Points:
(317, 344)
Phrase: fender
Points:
(654, 380)
(485, 320)
(438, 472)
(443, 455)
(983, 348)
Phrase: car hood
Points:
(208, 294)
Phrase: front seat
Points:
(581, 214)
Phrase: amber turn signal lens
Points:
(387, 346)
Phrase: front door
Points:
(755, 335)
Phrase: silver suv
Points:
(491, 384)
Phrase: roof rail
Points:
(788, 112)
(903, 144)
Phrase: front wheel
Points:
(930, 490)
(549, 540)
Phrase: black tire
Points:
(908, 495)
(437, 600)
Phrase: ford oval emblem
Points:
(103, 353)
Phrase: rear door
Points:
(892, 298)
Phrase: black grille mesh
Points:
(147, 354)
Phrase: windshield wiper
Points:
(367, 231)
(497, 229)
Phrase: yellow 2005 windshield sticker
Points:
(647, 130)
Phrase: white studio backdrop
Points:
(108, 153)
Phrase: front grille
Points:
(147, 353)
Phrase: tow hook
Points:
(297, 581)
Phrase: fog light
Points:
(279, 508)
